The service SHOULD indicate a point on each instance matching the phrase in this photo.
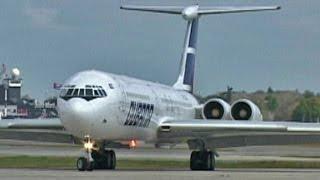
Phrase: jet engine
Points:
(216, 109)
(245, 109)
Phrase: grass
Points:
(36, 162)
(268, 164)
(45, 162)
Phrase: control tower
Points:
(10, 93)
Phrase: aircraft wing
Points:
(230, 133)
(31, 123)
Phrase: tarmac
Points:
(290, 152)
(34, 148)
(220, 174)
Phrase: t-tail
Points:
(192, 14)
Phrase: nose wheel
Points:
(84, 165)
(95, 158)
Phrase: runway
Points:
(309, 152)
(220, 174)
(31, 148)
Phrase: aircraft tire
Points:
(110, 159)
(210, 161)
(194, 161)
(90, 166)
(82, 164)
(202, 160)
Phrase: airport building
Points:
(10, 95)
(14, 105)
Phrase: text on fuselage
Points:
(139, 114)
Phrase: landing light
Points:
(132, 143)
(88, 143)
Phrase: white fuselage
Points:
(131, 109)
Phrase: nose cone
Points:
(76, 116)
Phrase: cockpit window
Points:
(81, 92)
(104, 92)
(100, 92)
(63, 92)
(76, 92)
(69, 92)
(96, 93)
(88, 93)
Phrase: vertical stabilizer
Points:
(187, 64)
(192, 14)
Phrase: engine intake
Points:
(216, 109)
(244, 109)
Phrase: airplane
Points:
(101, 107)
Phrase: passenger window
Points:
(69, 92)
(111, 86)
(81, 92)
(75, 93)
(89, 92)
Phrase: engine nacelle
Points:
(245, 110)
(216, 109)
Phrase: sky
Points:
(50, 40)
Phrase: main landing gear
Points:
(95, 158)
(202, 160)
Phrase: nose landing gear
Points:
(95, 158)
(86, 162)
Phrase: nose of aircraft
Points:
(76, 116)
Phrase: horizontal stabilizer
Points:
(156, 9)
(198, 10)
(222, 10)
